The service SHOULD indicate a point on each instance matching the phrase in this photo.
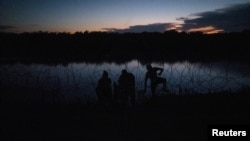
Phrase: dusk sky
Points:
(209, 16)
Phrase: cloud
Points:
(6, 27)
(228, 19)
(206, 30)
(232, 18)
(157, 27)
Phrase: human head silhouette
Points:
(124, 71)
(105, 74)
(149, 66)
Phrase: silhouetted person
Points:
(127, 87)
(116, 94)
(104, 89)
(155, 80)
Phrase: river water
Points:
(79, 80)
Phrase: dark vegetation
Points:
(114, 47)
(169, 117)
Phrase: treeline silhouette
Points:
(114, 47)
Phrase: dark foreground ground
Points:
(163, 118)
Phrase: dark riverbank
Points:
(36, 114)
(44, 47)
(170, 117)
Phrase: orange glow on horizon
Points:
(175, 26)
(206, 30)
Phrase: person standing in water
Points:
(104, 89)
(155, 79)
(127, 87)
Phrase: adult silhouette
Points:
(154, 78)
(127, 87)
(104, 89)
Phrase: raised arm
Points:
(159, 69)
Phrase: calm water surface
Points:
(78, 80)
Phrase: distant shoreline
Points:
(98, 47)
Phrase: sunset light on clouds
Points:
(210, 16)
(206, 30)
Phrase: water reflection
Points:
(79, 80)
